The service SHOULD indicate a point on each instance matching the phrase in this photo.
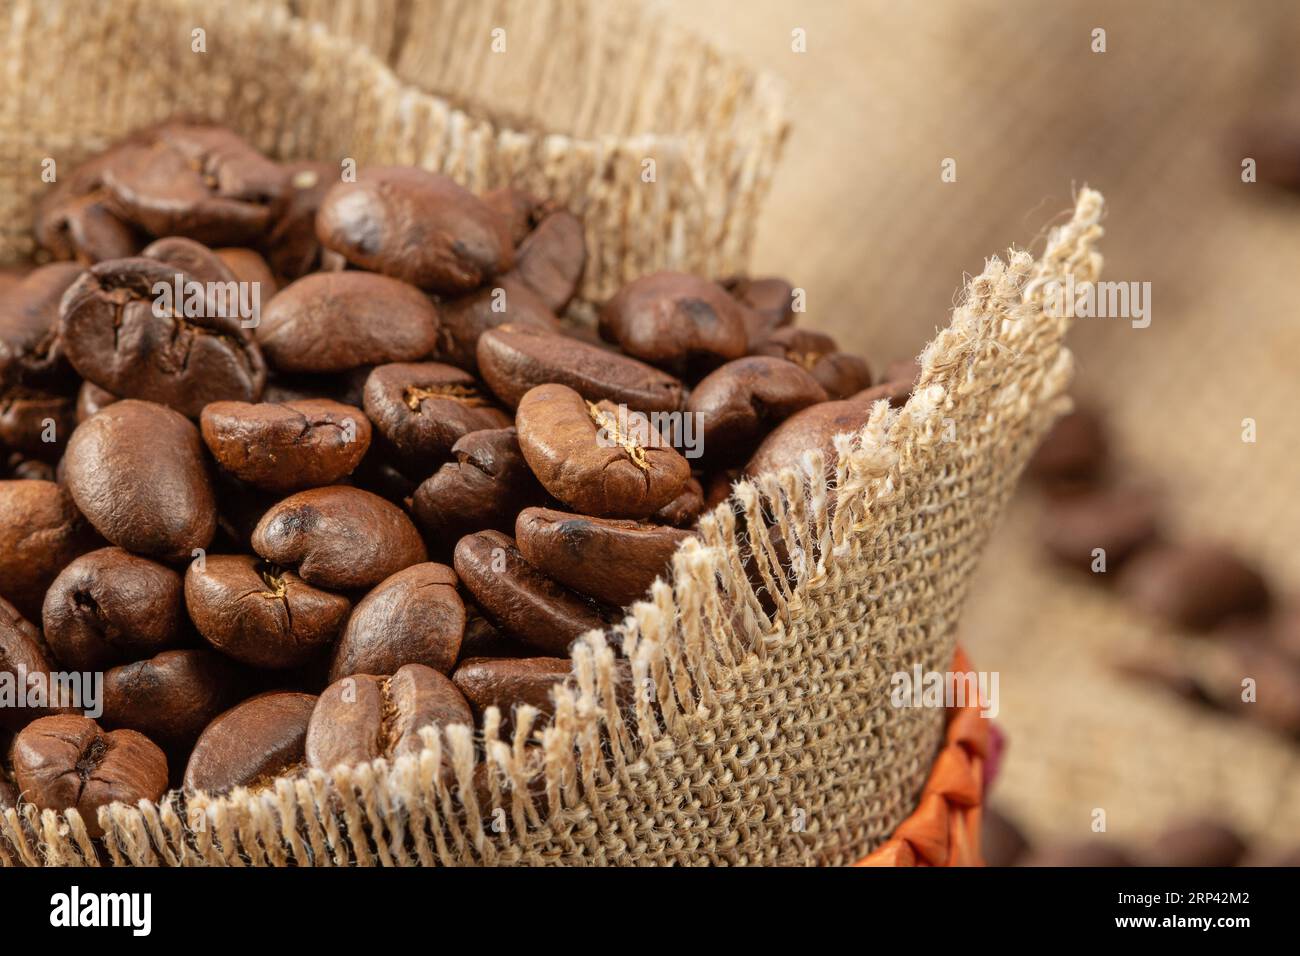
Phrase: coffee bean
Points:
(286, 447)
(896, 388)
(519, 209)
(261, 614)
(115, 336)
(109, 607)
(339, 538)
(520, 599)
(335, 321)
(8, 792)
(1196, 843)
(292, 249)
(738, 404)
(74, 221)
(136, 470)
(36, 423)
(551, 259)
(68, 762)
(507, 684)
(413, 617)
(362, 718)
(485, 639)
(1073, 451)
(676, 321)
(612, 561)
(422, 409)
(838, 372)
(685, 509)
(596, 458)
(194, 259)
(482, 488)
(768, 301)
(1119, 521)
(346, 388)
(416, 226)
(31, 354)
(91, 399)
(41, 531)
(513, 360)
(172, 696)
(1197, 586)
(1276, 680)
(248, 266)
(813, 428)
(22, 652)
(28, 469)
(466, 317)
(252, 743)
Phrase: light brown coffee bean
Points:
(510, 683)
(465, 318)
(41, 531)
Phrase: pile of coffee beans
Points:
(302, 462)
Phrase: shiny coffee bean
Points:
(596, 458)
(740, 402)
(91, 399)
(117, 333)
(1073, 451)
(813, 428)
(509, 683)
(74, 219)
(684, 510)
(679, 322)
(838, 372)
(422, 409)
(413, 617)
(1196, 843)
(252, 743)
(248, 266)
(68, 762)
(1197, 586)
(31, 354)
(41, 531)
(335, 321)
(513, 360)
(417, 226)
(465, 318)
(769, 303)
(339, 538)
(36, 423)
(110, 607)
(518, 598)
(482, 488)
(137, 472)
(22, 653)
(172, 696)
(261, 614)
(1118, 521)
(292, 249)
(194, 259)
(286, 447)
(365, 717)
(610, 560)
(551, 258)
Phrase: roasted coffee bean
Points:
(520, 599)
(41, 531)
(23, 468)
(31, 354)
(612, 561)
(109, 607)
(738, 404)
(74, 221)
(1197, 586)
(36, 423)
(239, 508)
(596, 458)
(91, 399)
(1001, 841)
(679, 322)
(22, 653)
(1089, 853)
(417, 226)
(261, 614)
(194, 259)
(1118, 521)
(252, 743)
(413, 617)
(485, 639)
(66, 762)
(248, 266)
(335, 321)
(8, 792)
(1196, 843)
(769, 303)
(171, 697)
(1073, 451)
(838, 372)
(718, 488)
(513, 360)
(813, 428)
(346, 388)
(510, 683)
(551, 259)
(136, 470)
(119, 333)
(466, 317)
(366, 717)
(900, 379)
(339, 538)
(685, 509)
(482, 488)
(292, 249)
(519, 209)
(422, 409)
(201, 182)
(286, 447)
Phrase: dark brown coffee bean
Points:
(1196, 586)
(239, 508)
(612, 561)
(22, 653)
(684, 510)
(509, 683)
(8, 792)
(1001, 841)
(22, 468)
(67, 762)
(1196, 843)
(346, 388)
(482, 488)
(136, 470)
(417, 226)
(91, 399)
(252, 743)
(719, 485)
(518, 208)
(1118, 521)
(740, 402)
(292, 249)
(676, 321)
(466, 317)
(286, 447)
(422, 409)
(339, 538)
(596, 458)
(769, 304)
(171, 697)
(513, 360)
(814, 427)
(74, 221)
(247, 265)
(378, 475)
(31, 354)
(520, 599)
(838, 372)
(109, 607)
(413, 617)
(366, 717)
(552, 257)
(194, 259)
(1073, 451)
(41, 531)
(36, 423)
(201, 182)
(1089, 853)
(261, 614)
(335, 321)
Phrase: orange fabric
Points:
(944, 829)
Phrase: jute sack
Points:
(760, 729)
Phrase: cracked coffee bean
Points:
(41, 531)
(510, 683)
(252, 743)
(172, 696)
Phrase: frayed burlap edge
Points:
(760, 729)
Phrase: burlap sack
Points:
(759, 729)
